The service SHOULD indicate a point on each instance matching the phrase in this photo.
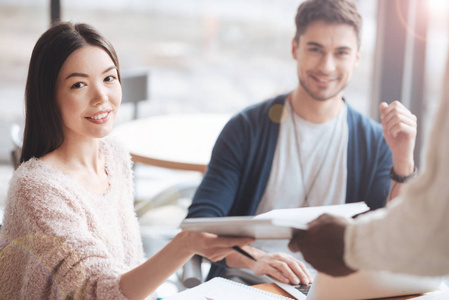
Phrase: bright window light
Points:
(438, 8)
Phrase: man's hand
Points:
(399, 128)
(282, 267)
(322, 244)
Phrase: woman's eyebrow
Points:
(77, 74)
(110, 68)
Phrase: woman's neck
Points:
(73, 156)
(84, 162)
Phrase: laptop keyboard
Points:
(303, 288)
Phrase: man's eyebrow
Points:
(315, 44)
(85, 75)
(344, 48)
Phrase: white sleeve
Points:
(408, 237)
(411, 235)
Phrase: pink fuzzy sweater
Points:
(60, 241)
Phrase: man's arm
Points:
(218, 189)
(217, 194)
(399, 129)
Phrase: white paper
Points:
(300, 217)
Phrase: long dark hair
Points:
(43, 122)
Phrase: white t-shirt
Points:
(323, 157)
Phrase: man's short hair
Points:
(329, 11)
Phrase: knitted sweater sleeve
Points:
(50, 253)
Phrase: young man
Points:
(308, 147)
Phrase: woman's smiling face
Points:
(88, 93)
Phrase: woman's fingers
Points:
(212, 246)
(280, 266)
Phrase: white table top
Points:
(175, 141)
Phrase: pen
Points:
(240, 250)
(362, 213)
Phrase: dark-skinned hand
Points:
(322, 244)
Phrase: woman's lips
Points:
(99, 118)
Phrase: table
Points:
(174, 141)
(273, 288)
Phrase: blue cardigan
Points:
(243, 154)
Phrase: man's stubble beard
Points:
(320, 98)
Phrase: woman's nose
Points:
(99, 96)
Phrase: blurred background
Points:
(215, 56)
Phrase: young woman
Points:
(69, 229)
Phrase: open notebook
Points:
(224, 289)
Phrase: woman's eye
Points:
(78, 85)
(109, 78)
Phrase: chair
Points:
(135, 87)
(16, 138)
(192, 273)
(168, 196)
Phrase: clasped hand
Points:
(399, 127)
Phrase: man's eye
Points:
(78, 85)
(316, 50)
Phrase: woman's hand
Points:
(282, 267)
(210, 245)
(139, 282)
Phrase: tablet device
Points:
(276, 224)
(241, 227)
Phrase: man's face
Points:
(326, 56)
